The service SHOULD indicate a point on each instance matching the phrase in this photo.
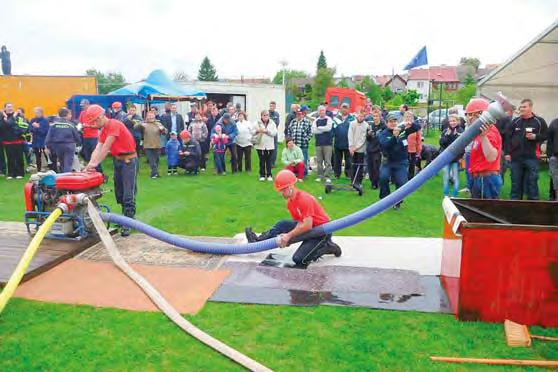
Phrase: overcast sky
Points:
(249, 38)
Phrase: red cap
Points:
(92, 113)
(116, 105)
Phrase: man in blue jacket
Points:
(341, 146)
(395, 163)
(38, 127)
(62, 139)
(230, 130)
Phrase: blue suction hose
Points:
(495, 111)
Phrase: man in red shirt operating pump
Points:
(486, 150)
(116, 139)
(306, 214)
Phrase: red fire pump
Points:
(44, 191)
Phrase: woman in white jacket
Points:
(266, 129)
(243, 141)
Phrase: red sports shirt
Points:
(88, 132)
(305, 205)
(124, 143)
(477, 161)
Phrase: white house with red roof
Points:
(420, 79)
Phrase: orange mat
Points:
(101, 284)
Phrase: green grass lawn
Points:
(39, 336)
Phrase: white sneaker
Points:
(328, 180)
(262, 178)
(299, 180)
(203, 169)
(18, 177)
(270, 178)
(318, 179)
(9, 178)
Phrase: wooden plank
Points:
(51, 253)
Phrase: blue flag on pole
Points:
(420, 59)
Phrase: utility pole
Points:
(283, 64)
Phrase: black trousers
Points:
(373, 161)
(234, 159)
(246, 153)
(39, 151)
(125, 185)
(339, 156)
(412, 164)
(358, 168)
(14, 153)
(3, 168)
(265, 162)
(306, 253)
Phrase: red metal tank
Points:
(79, 181)
(500, 260)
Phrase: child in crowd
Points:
(199, 132)
(171, 149)
(219, 145)
(451, 171)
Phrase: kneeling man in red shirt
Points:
(306, 214)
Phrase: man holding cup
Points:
(526, 134)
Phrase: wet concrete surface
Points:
(332, 285)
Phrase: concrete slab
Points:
(423, 255)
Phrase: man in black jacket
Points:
(373, 149)
(173, 121)
(552, 153)
(504, 126)
(526, 134)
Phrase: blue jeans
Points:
(451, 170)
(467, 174)
(305, 154)
(487, 187)
(125, 185)
(219, 158)
(396, 171)
(304, 253)
(525, 179)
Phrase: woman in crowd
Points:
(13, 130)
(199, 131)
(266, 129)
(243, 141)
(293, 158)
(449, 135)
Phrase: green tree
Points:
(107, 82)
(387, 94)
(395, 102)
(343, 83)
(410, 97)
(471, 61)
(207, 71)
(289, 75)
(465, 94)
(322, 62)
(469, 80)
(323, 80)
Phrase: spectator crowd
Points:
(383, 147)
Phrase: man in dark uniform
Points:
(116, 139)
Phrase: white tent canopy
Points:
(530, 73)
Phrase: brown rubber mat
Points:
(101, 284)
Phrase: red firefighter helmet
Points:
(284, 179)
(476, 105)
(92, 113)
